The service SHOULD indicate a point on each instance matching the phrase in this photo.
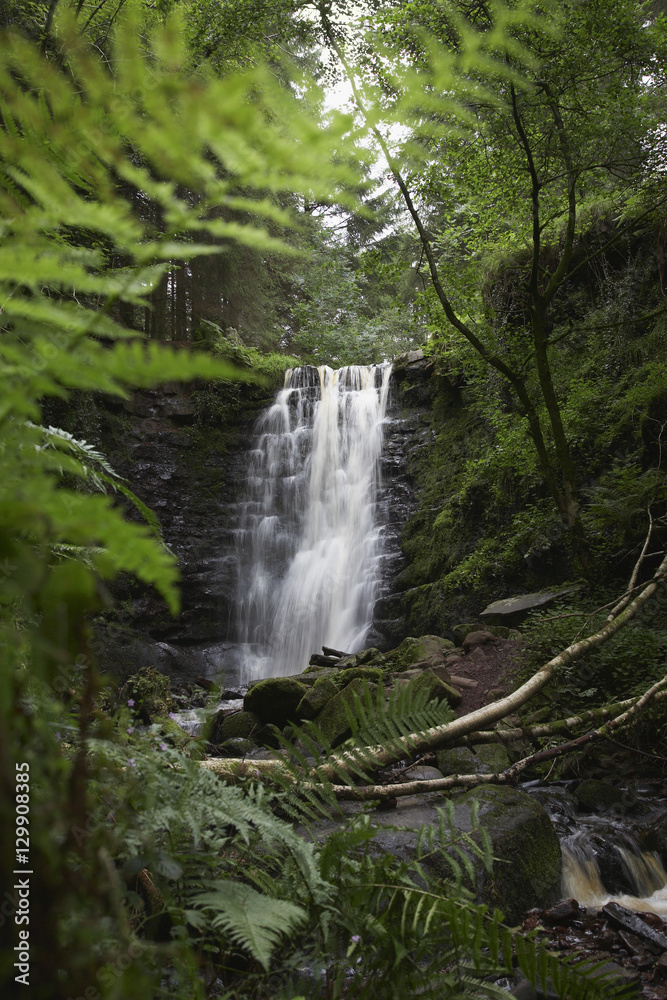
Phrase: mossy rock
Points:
(527, 866)
(229, 727)
(177, 736)
(332, 721)
(414, 650)
(314, 700)
(461, 631)
(483, 758)
(371, 674)
(269, 736)
(593, 795)
(493, 755)
(438, 690)
(460, 760)
(148, 690)
(370, 655)
(275, 700)
(237, 747)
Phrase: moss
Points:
(371, 674)
(148, 691)
(415, 650)
(527, 866)
(275, 699)
(316, 698)
(593, 795)
(228, 727)
(333, 719)
(438, 690)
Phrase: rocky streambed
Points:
(536, 830)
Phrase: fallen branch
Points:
(450, 732)
(509, 776)
(545, 729)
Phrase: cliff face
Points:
(189, 463)
(191, 474)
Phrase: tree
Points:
(81, 144)
(519, 154)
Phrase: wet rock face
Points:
(191, 477)
(407, 430)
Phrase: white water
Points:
(309, 544)
(582, 880)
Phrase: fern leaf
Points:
(254, 921)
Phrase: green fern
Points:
(253, 921)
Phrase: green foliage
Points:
(84, 142)
(623, 667)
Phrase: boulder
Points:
(275, 700)
(316, 698)
(528, 866)
(237, 725)
(332, 720)
(413, 650)
(438, 690)
(373, 675)
(484, 758)
(513, 610)
(461, 631)
(593, 795)
(478, 638)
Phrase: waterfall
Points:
(597, 870)
(310, 545)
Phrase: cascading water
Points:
(606, 856)
(310, 545)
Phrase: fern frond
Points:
(253, 921)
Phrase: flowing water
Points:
(593, 868)
(605, 855)
(310, 545)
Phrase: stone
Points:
(460, 760)
(226, 726)
(413, 650)
(567, 909)
(513, 610)
(368, 655)
(275, 700)
(593, 795)
(332, 721)
(314, 700)
(237, 747)
(478, 638)
(527, 872)
(461, 631)
(423, 773)
(453, 661)
(493, 755)
(483, 758)
(438, 690)
(372, 675)
(527, 865)
(463, 682)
